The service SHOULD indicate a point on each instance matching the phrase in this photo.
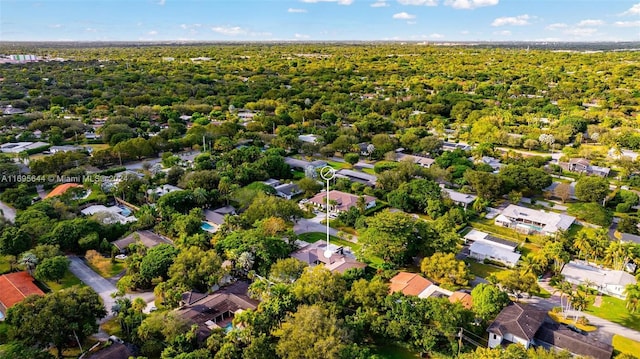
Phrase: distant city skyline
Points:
(319, 20)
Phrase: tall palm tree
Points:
(579, 302)
(29, 260)
(200, 196)
(633, 297)
(582, 243)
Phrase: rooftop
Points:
(581, 271)
(552, 221)
(479, 236)
(61, 189)
(460, 197)
(14, 287)
(340, 260)
(495, 252)
(409, 283)
(562, 337)
(148, 238)
(521, 320)
(463, 298)
(344, 201)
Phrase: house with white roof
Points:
(425, 162)
(461, 199)
(308, 138)
(531, 221)
(484, 246)
(109, 215)
(606, 281)
(164, 189)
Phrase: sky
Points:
(319, 20)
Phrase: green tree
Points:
(287, 270)
(487, 185)
(352, 158)
(56, 318)
(445, 270)
(592, 189)
(319, 285)
(194, 268)
(311, 333)
(488, 300)
(14, 241)
(157, 261)
(52, 268)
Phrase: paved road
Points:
(308, 225)
(102, 286)
(9, 213)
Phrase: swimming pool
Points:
(208, 227)
(125, 211)
(228, 327)
(1, 316)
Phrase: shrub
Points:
(623, 207)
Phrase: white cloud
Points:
(627, 24)
(581, 31)
(296, 11)
(634, 10)
(152, 33)
(90, 29)
(470, 4)
(55, 26)
(301, 36)
(502, 33)
(238, 31)
(419, 2)
(380, 3)
(591, 22)
(341, 2)
(464, 32)
(403, 16)
(519, 20)
(436, 36)
(159, 2)
(556, 26)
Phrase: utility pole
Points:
(460, 334)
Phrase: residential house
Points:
(340, 261)
(617, 154)
(517, 323)
(527, 220)
(450, 146)
(246, 115)
(10, 110)
(215, 310)
(67, 148)
(17, 147)
(308, 138)
(110, 215)
(62, 189)
(343, 201)
(91, 135)
(14, 287)
(416, 285)
(287, 190)
(164, 189)
(463, 298)
(309, 168)
(460, 199)
(606, 281)
(357, 176)
(582, 165)
(483, 246)
(215, 218)
(419, 160)
(364, 148)
(146, 237)
(493, 162)
(531, 327)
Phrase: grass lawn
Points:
(615, 310)
(625, 345)
(393, 351)
(368, 170)
(338, 165)
(486, 225)
(484, 270)
(105, 268)
(570, 321)
(98, 146)
(69, 280)
(4, 265)
(112, 327)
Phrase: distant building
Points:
(164, 189)
(17, 147)
(450, 146)
(425, 162)
(460, 199)
(110, 215)
(308, 138)
(527, 220)
(357, 176)
(68, 148)
(582, 165)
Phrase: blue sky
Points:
(309, 20)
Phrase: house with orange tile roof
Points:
(462, 297)
(415, 284)
(14, 287)
(61, 189)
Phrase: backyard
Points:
(69, 280)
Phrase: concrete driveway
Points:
(102, 286)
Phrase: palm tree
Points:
(564, 287)
(633, 297)
(200, 196)
(29, 260)
(582, 243)
(579, 302)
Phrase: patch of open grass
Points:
(625, 345)
(69, 280)
(5, 267)
(368, 170)
(615, 310)
(103, 265)
(338, 165)
(112, 327)
(484, 270)
(557, 317)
